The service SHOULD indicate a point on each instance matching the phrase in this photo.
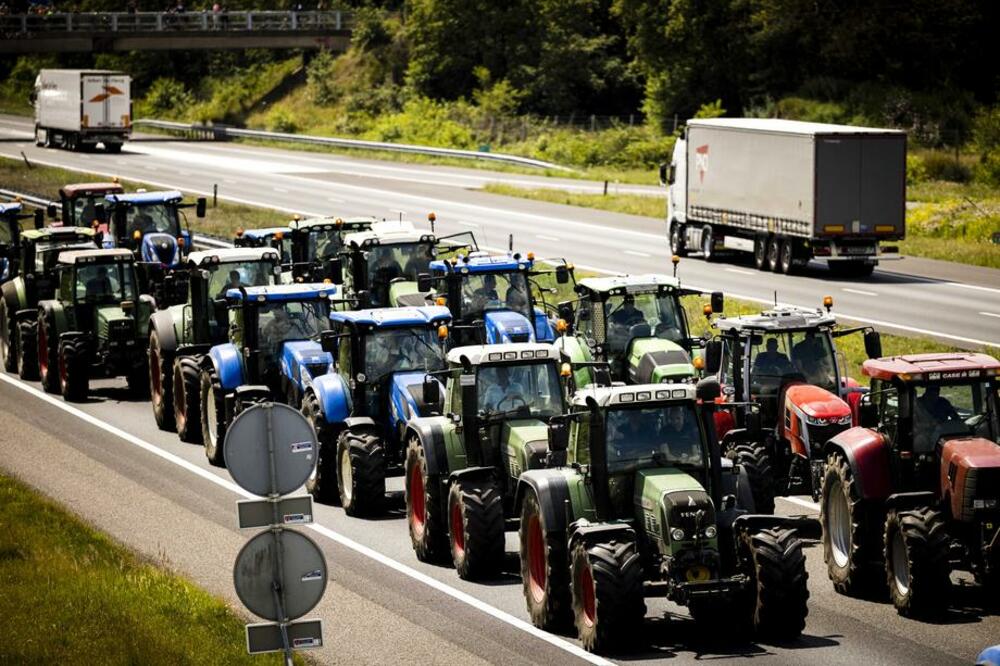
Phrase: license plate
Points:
(855, 250)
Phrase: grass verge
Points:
(71, 595)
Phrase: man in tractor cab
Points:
(682, 435)
(504, 392)
(486, 293)
(931, 411)
(771, 362)
(811, 358)
(626, 315)
(99, 285)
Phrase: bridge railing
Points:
(25, 25)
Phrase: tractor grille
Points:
(317, 369)
(820, 435)
(121, 332)
(982, 484)
(520, 337)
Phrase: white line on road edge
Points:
(465, 223)
(635, 254)
(990, 314)
(548, 238)
(464, 597)
(859, 291)
(280, 189)
(739, 271)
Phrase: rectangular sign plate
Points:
(266, 636)
(260, 513)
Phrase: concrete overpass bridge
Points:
(161, 31)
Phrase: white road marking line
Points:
(859, 291)
(464, 223)
(347, 542)
(548, 238)
(229, 181)
(970, 286)
(148, 167)
(739, 271)
(990, 314)
(184, 173)
(334, 200)
(801, 502)
(280, 189)
(636, 254)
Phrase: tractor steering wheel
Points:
(512, 397)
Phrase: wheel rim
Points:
(786, 258)
(773, 251)
(457, 531)
(760, 252)
(346, 474)
(706, 245)
(4, 335)
(588, 596)
(900, 563)
(211, 418)
(536, 559)
(675, 238)
(418, 506)
(43, 352)
(839, 525)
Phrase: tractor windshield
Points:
(660, 435)
(47, 252)
(631, 316)
(777, 358)
(324, 243)
(402, 260)
(236, 274)
(104, 284)
(483, 292)
(392, 350)
(528, 390)
(85, 211)
(152, 218)
(281, 321)
(952, 410)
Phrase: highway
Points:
(107, 460)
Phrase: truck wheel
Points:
(27, 349)
(917, 562)
(361, 473)
(476, 534)
(776, 566)
(774, 254)
(39, 141)
(760, 244)
(423, 506)
(678, 245)
(787, 256)
(8, 338)
(160, 384)
(853, 556)
(186, 399)
(608, 605)
(544, 569)
(113, 148)
(757, 462)
(707, 243)
(322, 483)
(213, 418)
(48, 354)
(74, 379)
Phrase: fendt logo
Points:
(701, 161)
(109, 91)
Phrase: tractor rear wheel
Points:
(27, 349)
(74, 379)
(757, 462)
(186, 399)
(544, 569)
(160, 384)
(8, 338)
(917, 562)
(423, 506)
(322, 483)
(48, 353)
(774, 561)
(361, 472)
(476, 529)
(213, 418)
(853, 555)
(608, 604)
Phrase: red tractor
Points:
(914, 490)
(787, 394)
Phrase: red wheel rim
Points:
(536, 559)
(418, 505)
(180, 406)
(43, 352)
(154, 374)
(589, 601)
(457, 531)
(62, 370)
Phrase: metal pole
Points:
(215, 195)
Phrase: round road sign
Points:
(246, 449)
(302, 576)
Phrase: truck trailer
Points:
(788, 192)
(78, 109)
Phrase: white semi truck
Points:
(78, 109)
(788, 192)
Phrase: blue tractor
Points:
(278, 238)
(385, 357)
(273, 350)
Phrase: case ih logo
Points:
(701, 161)
(109, 91)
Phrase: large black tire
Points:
(476, 529)
(707, 243)
(786, 257)
(544, 570)
(8, 338)
(161, 390)
(27, 349)
(760, 244)
(774, 254)
(851, 269)
(213, 417)
(361, 472)
(74, 370)
(760, 473)
(428, 532)
(186, 393)
(678, 244)
(322, 483)
(917, 564)
(113, 148)
(48, 354)
(39, 141)
(853, 555)
(608, 605)
(778, 593)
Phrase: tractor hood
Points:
(163, 249)
(970, 478)
(817, 404)
(668, 499)
(508, 326)
(301, 360)
(526, 442)
(110, 317)
(655, 360)
(407, 397)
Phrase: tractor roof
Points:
(96, 256)
(284, 292)
(782, 318)
(264, 233)
(512, 352)
(349, 224)
(628, 284)
(933, 367)
(230, 254)
(10, 207)
(482, 262)
(89, 189)
(388, 233)
(638, 393)
(141, 198)
(57, 233)
(391, 317)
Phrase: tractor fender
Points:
(503, 325)
(333, 396)
(736, 482)
(228, 365)
(12, 296)
(911, 500)
(473, 474)
(430, 433)
(573, 350)
(543, 327)
(552, 490)
(405, 399)
(805, 526)
(163, 323)
(594, 533)
(54, 310)
(868, 455)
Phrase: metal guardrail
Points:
(29, 199)
(224, 132)
(26, 25)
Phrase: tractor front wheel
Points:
(74, 380)
(27, 349)
(476, 522)
(852, 554)
(160, 384)
(213, 418)
(322, 482)
(186, 399)
(917, 562)
(544, 569)
(361, 472)
(48, 354)
(608, 605)
(757, 462)
(776, 566)
(423, 506)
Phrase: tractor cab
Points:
(316, 244)
(278, 238)
(84, 204)
(39, 251)
(11, 215)
(635, 325)
(491, 296)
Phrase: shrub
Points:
(422, 121)
(167, 98)
(711, 110)
(986, 139)
(810, 110)
(940, 165)
(320, 81)
(916, 170)
(281, 120)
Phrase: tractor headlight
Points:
(677, 534)
(710, 532)
(832, 420)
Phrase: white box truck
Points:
(788, 192)
(78, 109)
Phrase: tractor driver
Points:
(627, 315)
(282, 327)
(682, 434)
(812, 361)
(386, 270)
(772, 362)
(931, 410)
(99, 286)
(235, 282)
(486, 294)
(504, 394)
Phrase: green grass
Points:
(71, 595)
(630, 204)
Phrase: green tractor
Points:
(645, 506)
(94, 326)
(632, 326)
(462, 467)
(316, 244)
(33, 279)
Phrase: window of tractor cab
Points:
(579, 439)
(345, 364)
(948, 410)
(525, 390)
(629, 315)
(484, 292)
(235, 274)
(152, 218)
(654, 435)
(47, 253)
(403, 349)
(776, 358)
(402, 260)
(107, 283)
(280, 321)
(85, 210)
(324, 243)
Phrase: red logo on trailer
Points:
(701, 161)
(108, 92)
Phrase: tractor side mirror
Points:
(708, 389)
(873, 344)
(713, 356)
(565, 310)
(51, 211)
(431, 391)
(558, 436)
(335, 270)
(39, 218)
(867, 414)
(562, 274)
(328, 341)
(718, 302)
(200, 205)
(424, 282)
(663, 174)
